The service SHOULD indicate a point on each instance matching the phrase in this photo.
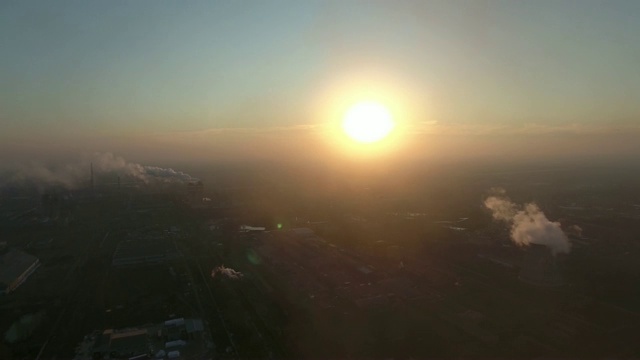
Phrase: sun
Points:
(368, 122)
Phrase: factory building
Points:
(125, 343)
(173, 339)
(15, 268)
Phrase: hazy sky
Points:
(98, 75)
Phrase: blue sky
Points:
(74, 68)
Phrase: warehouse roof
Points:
(14, 263)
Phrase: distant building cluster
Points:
(195, 192)
(174, 339)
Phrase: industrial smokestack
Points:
(540, 267)
(73, 174)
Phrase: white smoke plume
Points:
(228, 272)
(575, 230)
(529, 225)
(77, 174)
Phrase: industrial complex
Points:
(133, 271)
(173, 339)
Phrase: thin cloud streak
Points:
(437, 128)
(242, 131)
(426, 127)
(319, 141)
(422, 140)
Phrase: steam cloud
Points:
(228, 272)
(529, 225)
(575, 230)
(76, 174)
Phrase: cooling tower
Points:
(539, 267)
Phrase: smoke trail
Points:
(167, 173)
(575, 230)
(529, 225)
(228, 272)
(76, 174)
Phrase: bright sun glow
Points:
(367, 122)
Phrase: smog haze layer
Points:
(223, 82)
(319, 179)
